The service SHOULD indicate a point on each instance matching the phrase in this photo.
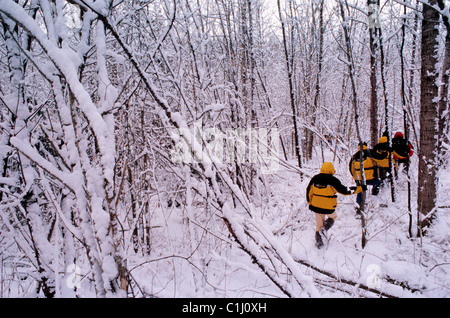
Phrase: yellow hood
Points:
(382, 140)
(327, 168)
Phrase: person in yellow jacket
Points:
(322, 199)
(380, 154)
(370, 171)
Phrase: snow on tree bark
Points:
(426, 199)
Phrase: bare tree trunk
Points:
(386, 114)
(373, 83)
(319, 71)
(427, 183)
(443, 101)
(289, 63)
(351, 71)
(405, 120)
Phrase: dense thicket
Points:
(110, 111)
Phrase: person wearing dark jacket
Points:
(402, 149)
(322, 199)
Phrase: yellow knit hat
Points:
(327, 168)
(383, 140)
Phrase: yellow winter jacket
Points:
(322, 189)
(370, 171)
(380, 153)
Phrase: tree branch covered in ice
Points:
(153, 148)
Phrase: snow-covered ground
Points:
(391, 261)
(198, 258)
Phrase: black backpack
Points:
(401, 147)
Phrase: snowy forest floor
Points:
(391, 261)
(193, 256)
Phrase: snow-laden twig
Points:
(345, 280)
(70, 180)
(210, 172)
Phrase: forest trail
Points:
(391, 261)
(110, 112)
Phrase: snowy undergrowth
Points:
(200, 260)
(391, 261)
(193, 255)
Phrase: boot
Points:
(376, 189)
(328, 224)
(319, 242)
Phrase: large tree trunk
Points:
(426, 200)
(373, 83)
(443, 101)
